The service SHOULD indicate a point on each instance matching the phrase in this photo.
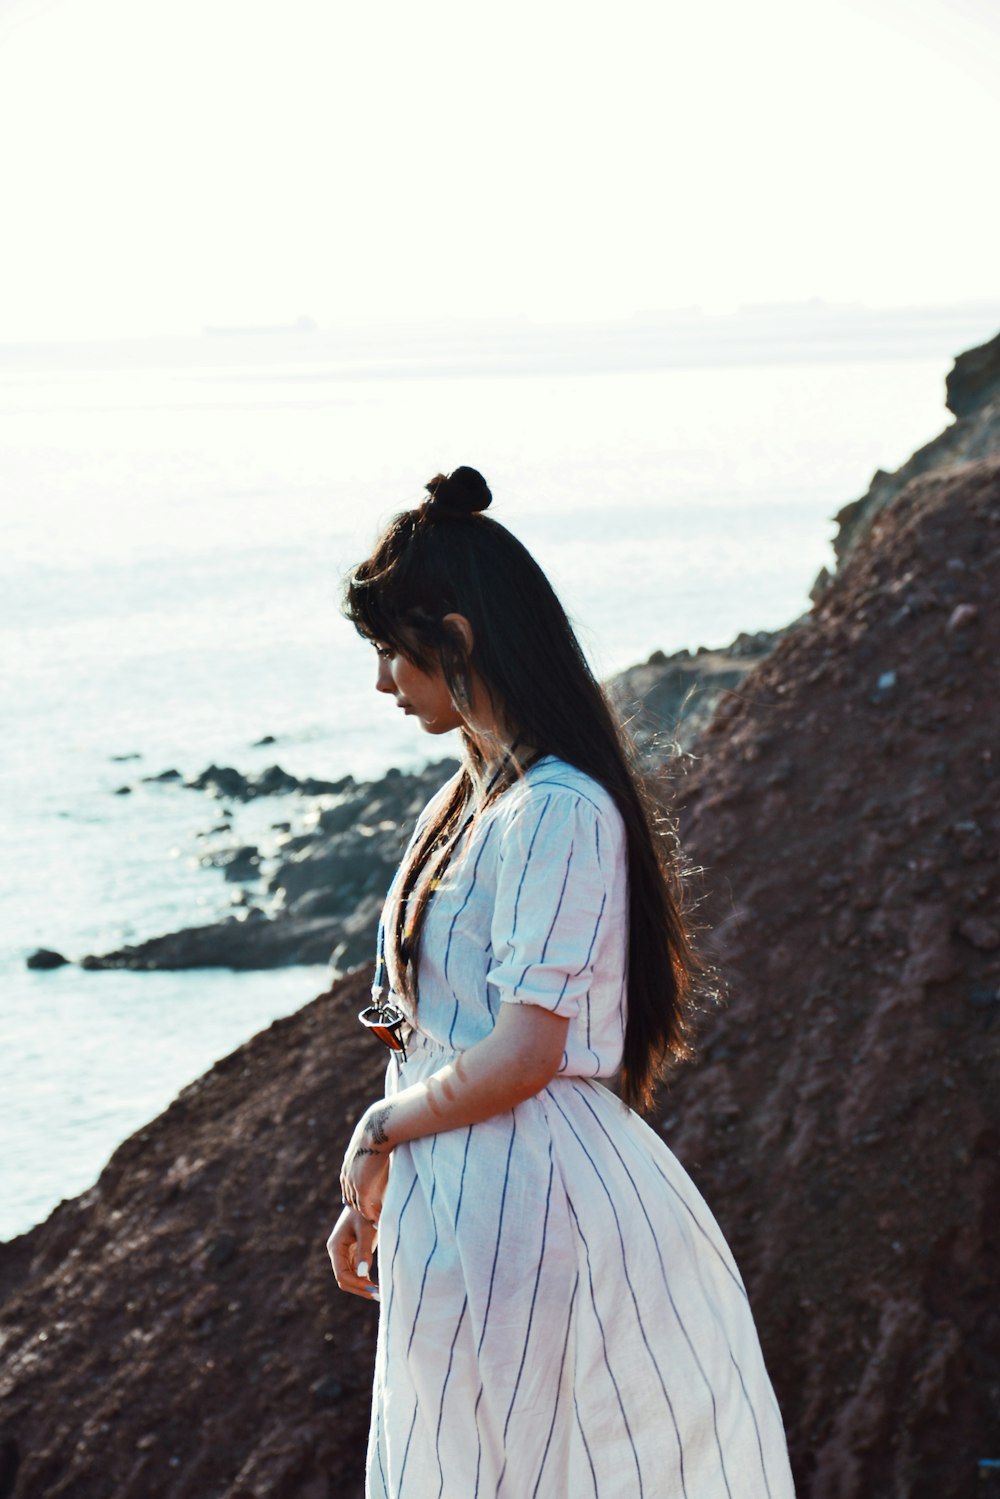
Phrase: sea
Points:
(175, 538)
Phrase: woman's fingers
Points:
(362, 1183)
(351, 1246)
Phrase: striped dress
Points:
(560, 1314)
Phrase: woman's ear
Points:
(459, 625)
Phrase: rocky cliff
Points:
(973, 397)
(175, 1332)
(845, 1116)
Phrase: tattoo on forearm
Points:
(376, 1125)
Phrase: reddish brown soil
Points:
(843, 1120)
(176, 1331)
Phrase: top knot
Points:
(463, 492)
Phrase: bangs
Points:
(379, 617)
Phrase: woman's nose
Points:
(383, 677)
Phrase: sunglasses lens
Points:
(386, 1022)
(384, 1033)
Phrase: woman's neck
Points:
(492, 759)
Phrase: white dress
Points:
(560, 1315)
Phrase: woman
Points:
(560, 1314)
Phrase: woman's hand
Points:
(350, 1247)
(366, 1166)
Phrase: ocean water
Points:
(174, 542)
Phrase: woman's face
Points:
(423, 694)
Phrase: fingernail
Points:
(374, 1295)
(363, 1269)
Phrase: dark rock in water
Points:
(329, 885)
(123, 791)
(121, 759)
(273, 782)
(313, 787)
(164, 775)
(221, 780)
(241, 863)
(250, 943)
(323, 901)
(339, 818)
(262, 743)
(344, 867)
(45, 957)
(226, 781)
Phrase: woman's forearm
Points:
(515, 1061)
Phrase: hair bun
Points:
(463, 492)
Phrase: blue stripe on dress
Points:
(704, 1232)
(489, 1297)
(461, 1180)
(565, 786)
(406, 1449)
(434, 1245)
(444, 1391)
(586, 964)
(628, 1280)
(666, 1283)
(552, 924)
(583, 1439)
(562, 1366)
(392, 1289)
(378, 1451)
(711, 1302)
(753, 1416)
(395, 1251)
(524, 871)
(451, 929)
(531, 1309)
(604, 1345)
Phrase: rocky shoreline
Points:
(314, 896)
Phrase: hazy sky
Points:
(171, 164)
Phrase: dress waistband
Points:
(418, 1042)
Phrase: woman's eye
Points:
(384, 652)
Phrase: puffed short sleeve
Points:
(555, 864)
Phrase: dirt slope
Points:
(177, 1330)
(844, 1117)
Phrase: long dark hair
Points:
(445, 557)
